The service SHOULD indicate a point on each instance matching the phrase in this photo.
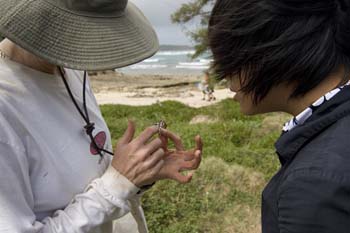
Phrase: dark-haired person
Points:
(57, 170)
(294, 57)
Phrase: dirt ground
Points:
(136, 90)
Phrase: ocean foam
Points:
(147, 67)
(151, 60)
(176, 53)
(203, 67)
(193, 63)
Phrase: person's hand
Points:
(178, 160)
(139, 160)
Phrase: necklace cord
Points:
(90, 126)
(84, 98)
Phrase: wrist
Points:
(117, 185)
(144, 188)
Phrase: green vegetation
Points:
(224, 195)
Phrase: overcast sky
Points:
(158, 12)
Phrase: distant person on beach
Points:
(58, 173)
(294, 57)
(207, 87)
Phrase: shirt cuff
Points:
(115, 187)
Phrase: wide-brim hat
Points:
(79, 34)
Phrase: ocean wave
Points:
(147, 67)
(207, 61)
(193, 67)
(151, 60)
(193, 63)
(176, 53)
(202, 64)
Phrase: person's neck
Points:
(19, 55)
(297, 105)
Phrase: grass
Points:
(239, 159)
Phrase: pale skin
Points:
(277, 99)
(26, 58)
(142, 160)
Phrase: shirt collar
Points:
(304, 115)
(323, 116)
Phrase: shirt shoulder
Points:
(328, 151)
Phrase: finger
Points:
(198, 159)
(151, 147)
(193, 164)
(154, 159)
(156, 169)
(128, 134)
(199, 143)
(146, 135)
(183, 179)
(197, 155)
(170, 152)
(164, 142)
(190, 155)
(173, 137)
(186, 155)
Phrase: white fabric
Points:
(50, 180)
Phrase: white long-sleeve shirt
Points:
(50, 177)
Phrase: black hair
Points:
(269, 42)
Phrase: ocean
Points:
(171, 60)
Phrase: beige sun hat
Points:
(79, 34)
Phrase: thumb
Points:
(128, 134)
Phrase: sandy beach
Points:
(138, 90)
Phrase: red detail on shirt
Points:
(100, 140)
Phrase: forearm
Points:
(104, 199)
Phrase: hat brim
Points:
(75, 41)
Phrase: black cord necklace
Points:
(90, 126)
